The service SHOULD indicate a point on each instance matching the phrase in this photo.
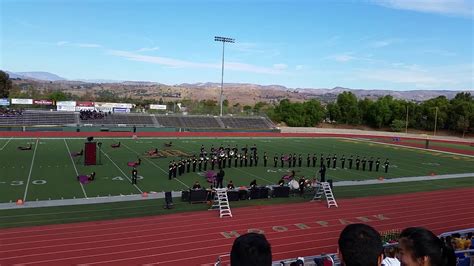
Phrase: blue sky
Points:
(371, 44)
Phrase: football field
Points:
(48, 171)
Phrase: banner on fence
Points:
(22, 101)
(158, 106)
(4, 102)
(43, 102)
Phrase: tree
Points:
(397, 125)
(5, 84)
(58, 96)
(347, 103)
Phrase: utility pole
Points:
(436, 121)
(406, 124)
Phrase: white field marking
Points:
(4, 145)
(120, 169)
(75, 169)
(409, 147)
(150, 161)
(31, 170)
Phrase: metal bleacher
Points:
(57, 118)
(122, 119)
(43, 118)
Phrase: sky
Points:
(370, 44)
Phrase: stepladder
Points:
(324, 190)
(221, 203)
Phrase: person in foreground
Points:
(419, 246)
(251, 249)
(360, 245)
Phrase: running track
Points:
(195, 238)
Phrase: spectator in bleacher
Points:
(251, 249)
(360, 245)
(419, 246)
(391, 257)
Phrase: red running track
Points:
(196, 238)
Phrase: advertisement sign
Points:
(123, 105)
(22, 101)
(84, 108)
(66, 108)
(66, 103)
(4, 102)
(43, 102)
(105, 105)
(85, 104)
(158, 106)
(121, 110)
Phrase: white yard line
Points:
(1, 149)
(409, 147)
(75, 169)
(150, 161)
(120, 169)
(31, 170)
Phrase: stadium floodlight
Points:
(223, 40)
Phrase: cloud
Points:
(342, 57)
(81, 45)
(420, 77)
(299, 67)
(148, 49)
(439, 52)
(383, 43)
(280, 66)
(464, 8)
(178, 63)
(251, 48)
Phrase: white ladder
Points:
(325, 189)
(221, 202)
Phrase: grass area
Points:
(433, 143)
(95, 212)
(48, 172)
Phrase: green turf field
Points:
(48, 171)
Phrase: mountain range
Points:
(233, 90)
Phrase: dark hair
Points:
(360, 245)
(390, 251)
(251, 249)
(422, 242)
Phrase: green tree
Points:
(397, 125)
(349, 110)
(5, 84)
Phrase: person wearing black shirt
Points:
(321, 160)
(328, 161)
(290, 160)
(322, 172)
(175, 169)
(246, 159)
(188, 165)
(343, 161)
(213, 163)
(241, 159)
(200, 164)
(196, 185)
(377, 164)
(282, 160)
(281, 182)
(364, 162)
(371, 163)
(300, 160)
(134, 175)
(229, 162)
(205, 163)
(170, 170)
(357, 163)
(253, 184)
(294, 159)
(386, 164)
(314, 159)
(308, 160)
(230, 185)
(256, 160)
(350, 161)
(220, 178)
(251, 160)
(302, 183)
(265, 159)
(334, 161)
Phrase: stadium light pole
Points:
(223, 40)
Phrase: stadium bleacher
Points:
(54, 118)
